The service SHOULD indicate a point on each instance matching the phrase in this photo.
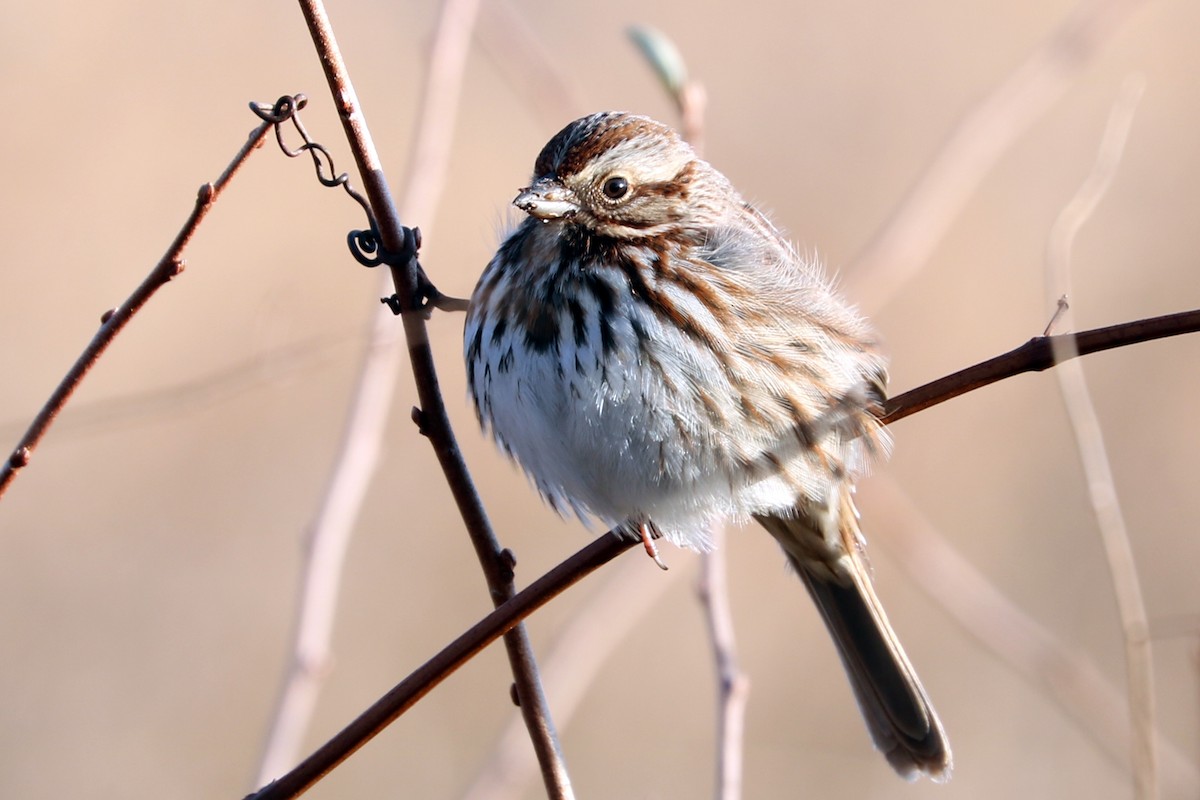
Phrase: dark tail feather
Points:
(897, 711)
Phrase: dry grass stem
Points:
(733, 685)
(905, 241)
(1063, 675)
(1089, 439)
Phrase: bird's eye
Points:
(615, 188)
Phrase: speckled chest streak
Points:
(599, 367)
(684, 378)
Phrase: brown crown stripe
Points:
(586, 139)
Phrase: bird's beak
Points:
(547, 199)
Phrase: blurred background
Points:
(149, 556)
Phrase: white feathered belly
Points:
(639, 421)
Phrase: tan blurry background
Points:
(148, 560)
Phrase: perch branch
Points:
(1037, 355)
(1033, 356)
(406, 694)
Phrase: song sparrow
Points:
(655, 354)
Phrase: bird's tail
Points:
(898, 713)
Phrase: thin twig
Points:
(406, 694)
(733, 686)
(332, 527)
(1060, 308)
(1063, 675)
(114, 321)
(919, 222)
(1037, 355)
(1089, 439)
(572, 664)
(1031, 357)
(431, 417)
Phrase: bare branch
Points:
(406, 694)
(1032, 356)
(431, 418)
(1037, 355)
(114, 321)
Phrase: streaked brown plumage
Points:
(655, 354)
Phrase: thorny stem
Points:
(432, 418)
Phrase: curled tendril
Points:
(286, 110)
(365, 245)
(283, 110)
